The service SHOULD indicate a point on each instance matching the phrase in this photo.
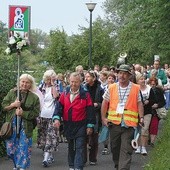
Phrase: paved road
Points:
(104, 161)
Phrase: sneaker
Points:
(65, 140)
(50, 160)
(45, 164)
(138, 150)
(71, 168)
(143, 151)
(92, 163)
(105, 151)
(60, 140)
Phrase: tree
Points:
(102, 45)
(57, 54)
(142, 27)
(38, 41)
(3, 36)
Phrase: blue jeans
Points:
(167, 95)
(76, 149)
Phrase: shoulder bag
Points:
(161, 112)
(6, 130)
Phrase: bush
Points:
(7, 81)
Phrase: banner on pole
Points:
(19, 20)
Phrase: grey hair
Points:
(31, 79)
(76, 74)
(48, 74)
(154, 71)
(79, 67)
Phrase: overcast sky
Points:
(51, 14)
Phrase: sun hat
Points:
(124, 67)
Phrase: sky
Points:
(52, 14)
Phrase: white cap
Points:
(156, 58)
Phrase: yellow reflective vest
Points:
(130, 114)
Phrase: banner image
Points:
(19, 21)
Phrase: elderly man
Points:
(160, 72)
(76, 108)
(123, 103)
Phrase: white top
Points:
(146, 92)
(48, 104)
(167, 85)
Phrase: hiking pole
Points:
(18, 119)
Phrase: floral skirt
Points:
(19, 148)
(48, 136)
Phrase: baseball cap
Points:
(124, 67)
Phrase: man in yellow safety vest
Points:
(123, 103)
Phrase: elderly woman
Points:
(27, 108)
(159, 102)
(47, 135)
(148, 99)
(154, 74)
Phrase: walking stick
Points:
(18, 119)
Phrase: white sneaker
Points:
(143, 151)
(50, 160)
(138, 150)
(105, 151)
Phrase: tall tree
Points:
(3, 36)
(57, 53)
(142, 27)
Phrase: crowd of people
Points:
(75, 106)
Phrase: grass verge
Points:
(159, 158)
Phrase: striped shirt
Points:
(123, 93)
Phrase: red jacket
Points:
(79, 113)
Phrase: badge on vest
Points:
(120, 108)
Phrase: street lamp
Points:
(90, 6)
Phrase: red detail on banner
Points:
(12, 14)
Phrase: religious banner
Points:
(19, 21)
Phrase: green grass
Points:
(159, 158)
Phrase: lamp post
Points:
(90, 6)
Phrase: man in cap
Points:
(160, 72)
(123, 103)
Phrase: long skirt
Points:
(19, 148)
(153, 130)
(48, 136)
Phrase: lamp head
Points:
(91, 6)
